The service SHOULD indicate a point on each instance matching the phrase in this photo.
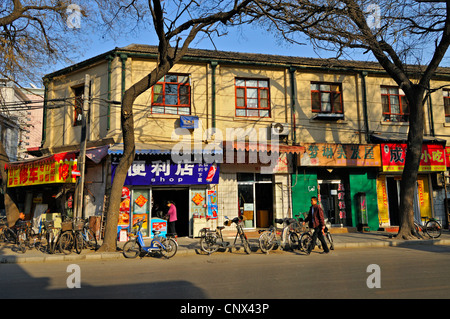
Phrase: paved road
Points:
(411, 272)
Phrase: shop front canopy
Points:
(167, 149)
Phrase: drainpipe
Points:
(44, 118)
(213, 93)
(109, 58)
(431, 117)
(293, 98)
(123, 58)
(364, 102)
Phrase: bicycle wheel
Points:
(10, 236)
(330, 241)
(294, 241)
(305, 242)
(433, 229)
(78, 242)
(66, 243)
(131, 249)
(50, 238)
(209, 243)
(91, 240)
(171, 247)
(245, 244)
(266, 241)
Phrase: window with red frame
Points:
(395, 104)
(252, 98)
(172, 95)
(326, 98)
(78, 105)
(447, 105)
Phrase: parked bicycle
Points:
(45, 236)
(166, 247)
(239, 232)
(89, 238)
(212, 240)
(64, 239)
(268, 239)
(432, 227)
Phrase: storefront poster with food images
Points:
(124, 211)
(212, 204)
(138, 217)
(338, 155)
(432, 158)
(168, 173)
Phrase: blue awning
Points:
(163, 149)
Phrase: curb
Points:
(9, 259)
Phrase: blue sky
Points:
(248, 39)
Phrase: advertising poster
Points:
(212, 204)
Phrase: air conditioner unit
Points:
(281, 129)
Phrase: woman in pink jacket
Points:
(172, 214)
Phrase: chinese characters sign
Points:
(169, 173)
(42, 173)
(432, 159)
(319, 154)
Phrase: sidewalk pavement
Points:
(191, 246)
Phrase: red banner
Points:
(433, 157)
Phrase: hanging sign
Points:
(42, 173)
(432, 159)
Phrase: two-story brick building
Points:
(338, 124)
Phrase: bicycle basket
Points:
(78, 225)
(48, 224)
(66, 226)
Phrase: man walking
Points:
(316, 221)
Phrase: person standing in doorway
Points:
(316, 221)
(172, 214)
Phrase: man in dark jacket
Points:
(316, 221)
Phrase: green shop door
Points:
(304, 187)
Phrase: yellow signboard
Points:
(350, 155)
(42, 173)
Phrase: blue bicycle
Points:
(166, 247)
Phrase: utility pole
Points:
(82, 157)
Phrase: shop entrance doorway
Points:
(180, 196)
(331, 196)
(421, 199)
(255, 193)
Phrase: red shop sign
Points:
(433, 157)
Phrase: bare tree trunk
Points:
(127, 120)
(412, 162)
